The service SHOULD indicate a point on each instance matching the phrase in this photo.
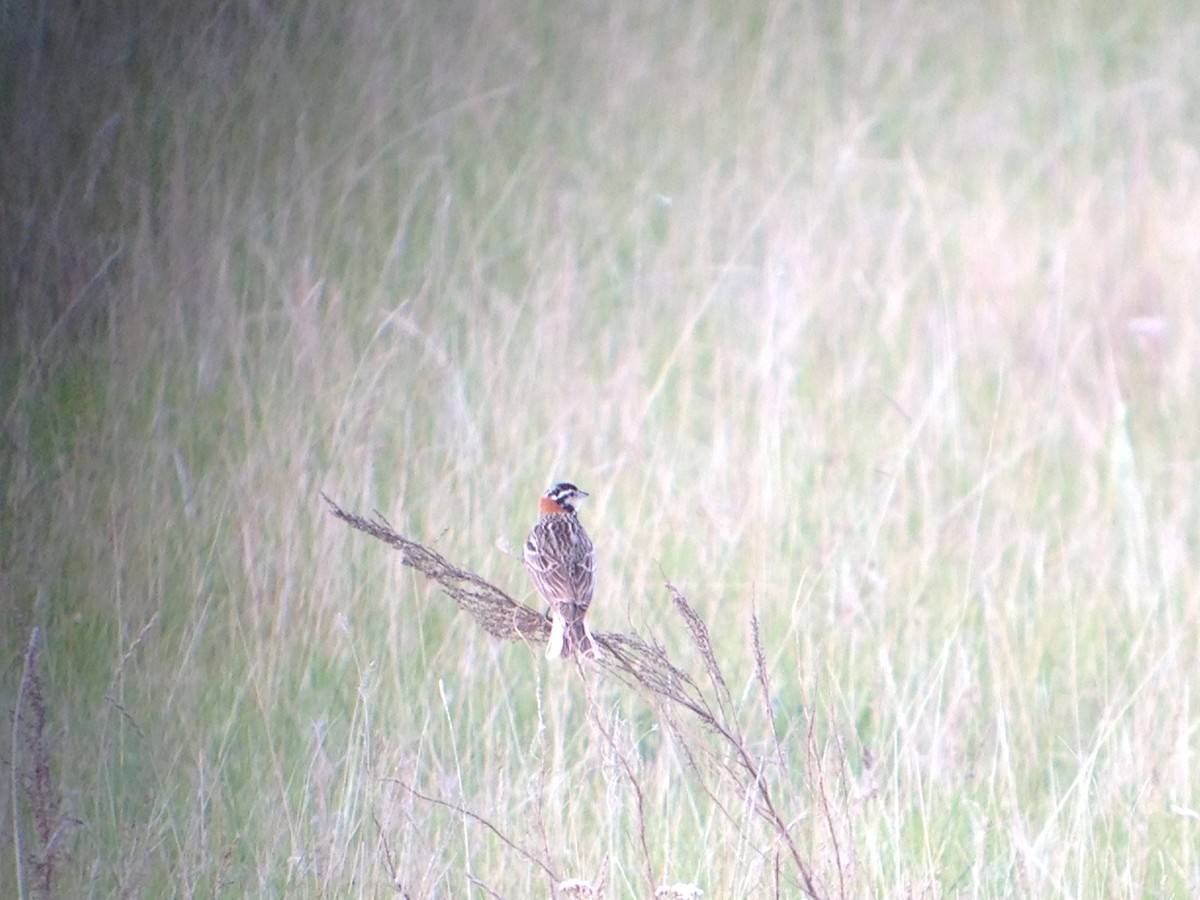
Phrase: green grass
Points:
(878, 321)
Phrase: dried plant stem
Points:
(764, 682)
(466, 813)
(627, 768)
(14, 767)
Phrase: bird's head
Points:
(561, 498)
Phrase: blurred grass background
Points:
(877, 318)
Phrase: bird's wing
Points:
(562, 562)
(583, 572)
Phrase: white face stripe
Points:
(565, 495)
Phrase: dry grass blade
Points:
(703, 643)
(476, 817)
(34, 782)
(497, 613)
(638, 795)
(645, 665)
(726, 727)
(764, 682)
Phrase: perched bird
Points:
(562, 562)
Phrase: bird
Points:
(562, 562)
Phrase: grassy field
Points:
(876, 322)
